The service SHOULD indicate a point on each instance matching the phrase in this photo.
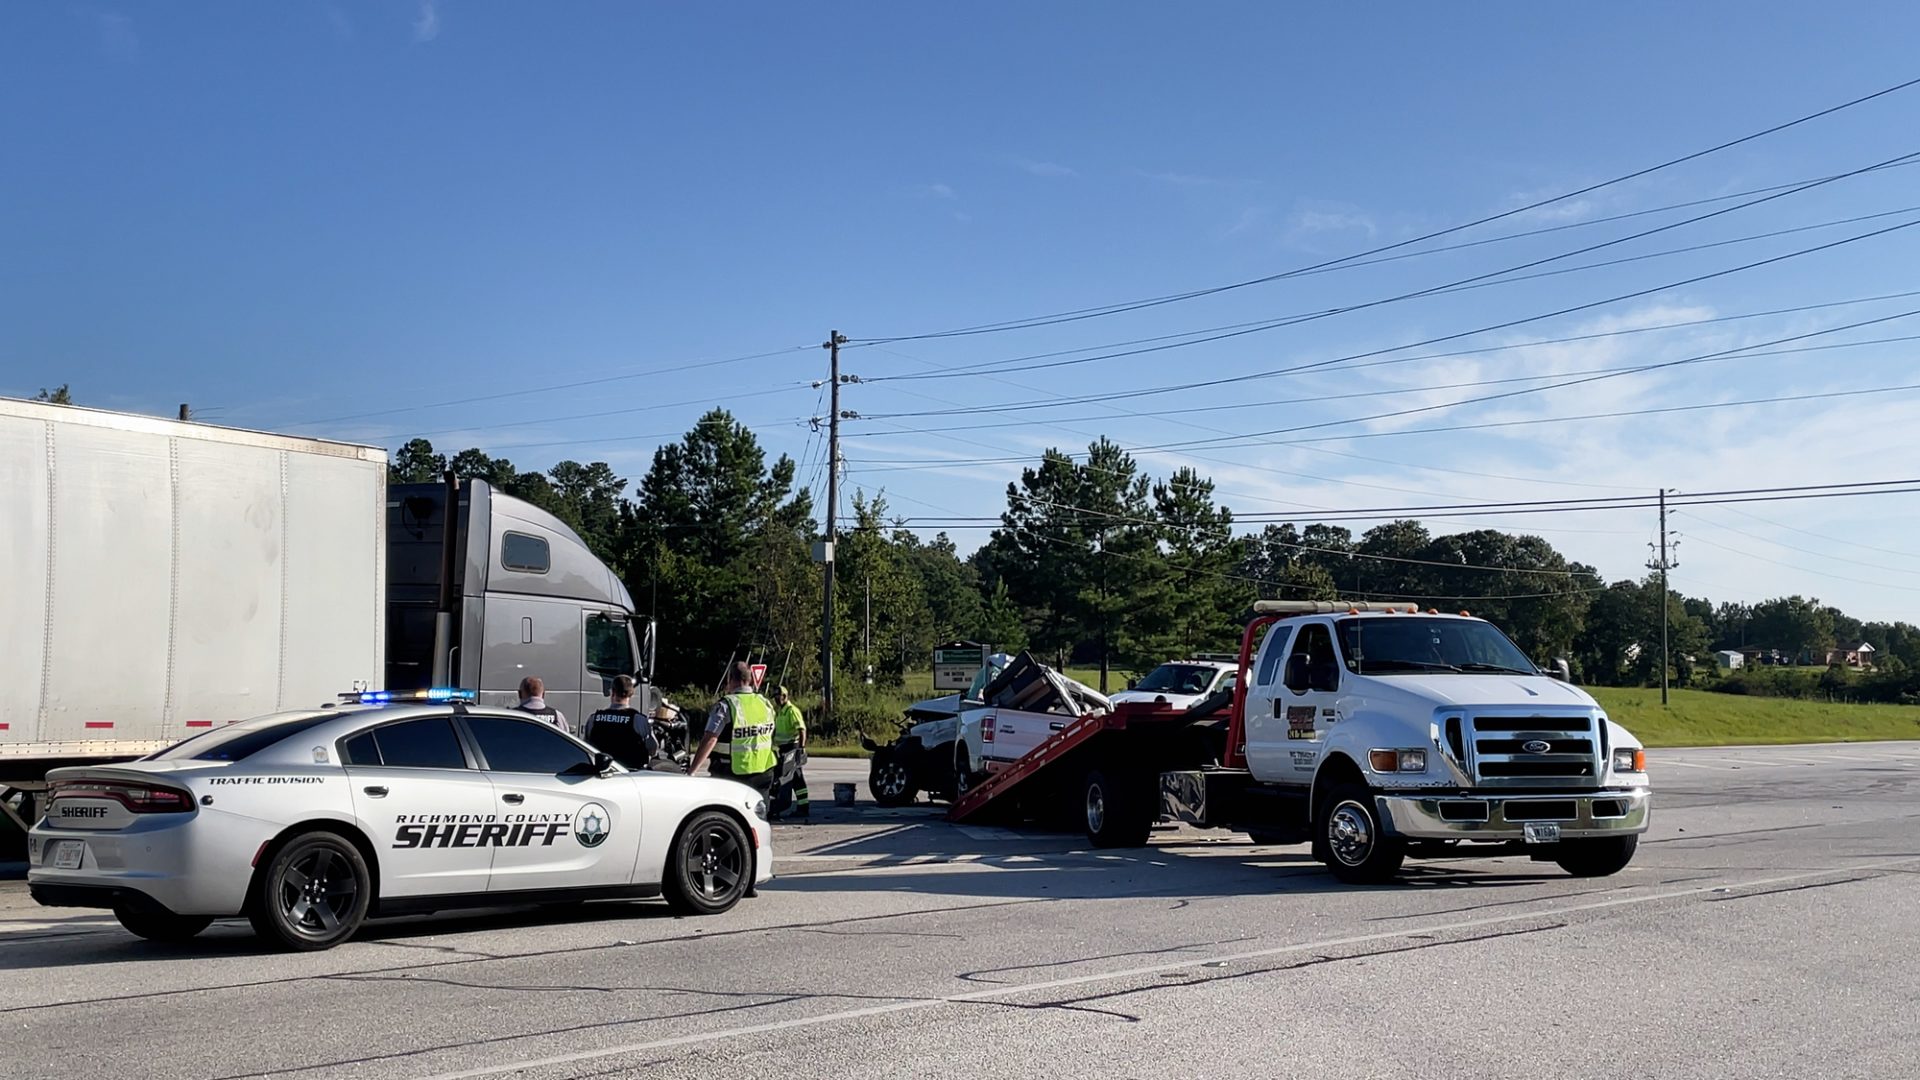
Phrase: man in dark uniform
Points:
(622, 730)
(533, 699)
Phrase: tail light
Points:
(986, 732)
(138, 798)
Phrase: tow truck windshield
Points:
(1414, 645)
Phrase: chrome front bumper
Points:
(1504, 817)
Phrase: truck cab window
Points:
(1276, 650)
(1312, 651)
(609, 648)
(526, 554)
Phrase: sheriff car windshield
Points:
(1416, 645)
(1179, 678)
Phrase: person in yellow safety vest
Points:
(745, 720)
(790, 739)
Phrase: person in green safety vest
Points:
(743, 720)
(790, 739)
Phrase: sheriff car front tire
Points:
(313, 894)
(710, 867)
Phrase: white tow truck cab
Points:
(1374, 732)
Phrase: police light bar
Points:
(384, 697)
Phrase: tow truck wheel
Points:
(162, 925)
(313, 894)
(1358, 851)
(890, 779)
(1116, 813)
(1598, 857)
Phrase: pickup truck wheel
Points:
(1117, 812)
(890, 778)
(313, 894)
(964, 778)
(1598, 857)
(1359, 851)
(162, 925)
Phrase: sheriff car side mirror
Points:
(602, 763)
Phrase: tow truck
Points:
(1374, 732)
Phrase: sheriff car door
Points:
(424, 805)
(568, 826)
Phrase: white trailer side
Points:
(158, 578)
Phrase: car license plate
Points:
(1542, 832)
(66, 854)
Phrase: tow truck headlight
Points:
(1625, 760)
(1409, 761)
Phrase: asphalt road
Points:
(1769, 928)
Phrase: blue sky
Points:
(327, 217)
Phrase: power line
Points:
(1508, 324)
(1478, 281)
(1387, 392)
(491, 424)
(1804, 551)
(1135, 305)
(1546, 506)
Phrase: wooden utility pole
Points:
(1663, 563)
(834, 340)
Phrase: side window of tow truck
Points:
(1272, 652)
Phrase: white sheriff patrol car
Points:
(308, 823)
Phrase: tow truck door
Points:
(1291, 702)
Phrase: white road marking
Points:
(917, 1004)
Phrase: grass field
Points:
(1694, 717)
(1702, 718)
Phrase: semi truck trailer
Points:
(158, 578)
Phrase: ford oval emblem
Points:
(1536, 746)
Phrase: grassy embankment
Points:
(1694, 717)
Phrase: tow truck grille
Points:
(1529, 750)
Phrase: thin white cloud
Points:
(1330, 219)
(938, 191)
(1044, 168)
(118, 38)
(1251, 218)
(426, 21)
(1194, 180)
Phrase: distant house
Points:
(1859, 654)
(1729, 659)
(1755, 654)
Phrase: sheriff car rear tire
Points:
(1597, 857)
(1118, 811)
(313, 893)
(710, 866)
(1358, 850)
(890, 778)
(162, 925)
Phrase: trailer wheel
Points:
(1359, 851)
(1118, 814)
(1598, 857)
(890, 778)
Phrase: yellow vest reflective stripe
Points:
(752, 746)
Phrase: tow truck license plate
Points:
(66, 854)
(1542, 832)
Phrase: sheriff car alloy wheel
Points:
(313, 894)
(710, 867)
